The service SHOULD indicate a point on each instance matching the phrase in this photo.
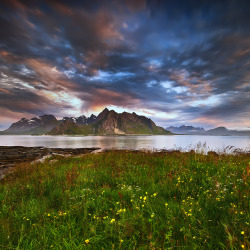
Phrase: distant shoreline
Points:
(75, 135)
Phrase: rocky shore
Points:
(11, 156)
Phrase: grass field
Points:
(128, 200)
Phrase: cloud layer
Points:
(178, 62)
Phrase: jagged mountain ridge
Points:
(35, 125)
(44, 124)
(109, 122)
(125, 123)
(81, 120)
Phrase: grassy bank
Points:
(128, 200)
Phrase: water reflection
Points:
(185, 142)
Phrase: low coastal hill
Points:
(218, 131)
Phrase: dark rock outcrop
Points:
(111, 122)
(11, 156)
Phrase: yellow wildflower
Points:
(87, 241)
(242, 232)
(113, 220)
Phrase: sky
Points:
(176, 62)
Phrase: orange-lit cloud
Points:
(4, 90)
(136, 5)
(102, 97)
(242, 122)
(9, 57)
(184, 78)
(4, 53)
(208, 121)
(49, 73)
(62, 8)
(7, 115)
(148, 112)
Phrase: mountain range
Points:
(36, 125)
(108, 122)
(222, 131)
(185, 129)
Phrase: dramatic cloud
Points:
(178, 62)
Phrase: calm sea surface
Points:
(183, 142)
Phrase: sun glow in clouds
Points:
(66, 99)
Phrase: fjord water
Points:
(151, 142)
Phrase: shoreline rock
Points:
(10, 156)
